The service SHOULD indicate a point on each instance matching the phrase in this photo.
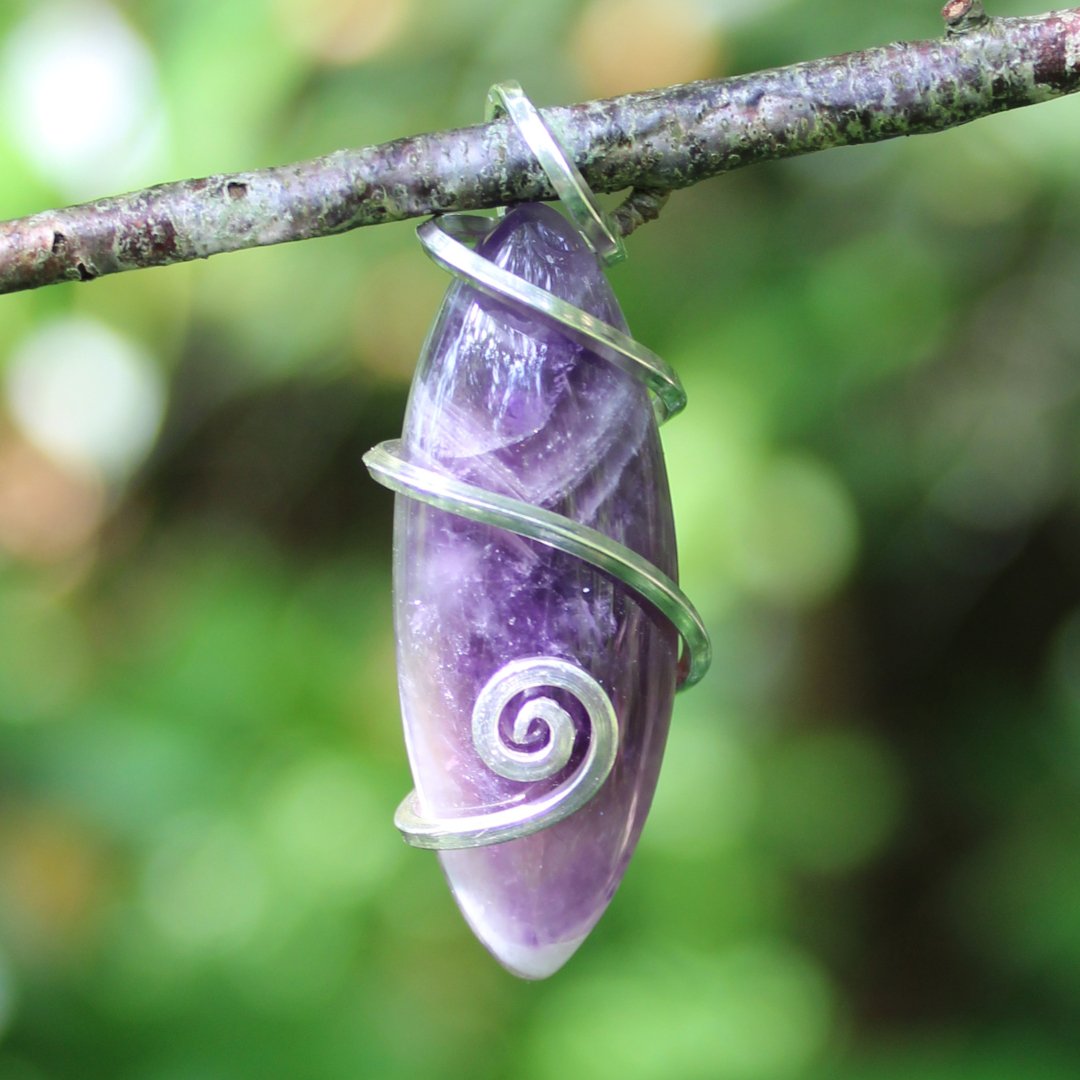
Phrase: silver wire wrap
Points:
(569, 184)
(445, 239)
(523, 819)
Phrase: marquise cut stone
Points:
(505, 401)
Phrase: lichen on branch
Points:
(654, 142)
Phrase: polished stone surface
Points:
(506, 402)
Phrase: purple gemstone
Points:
(506, 402)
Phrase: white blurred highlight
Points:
(86, 396)
(81, 98)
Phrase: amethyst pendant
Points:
(536, 683)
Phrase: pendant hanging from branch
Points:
(538, 620)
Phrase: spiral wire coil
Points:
(446, 239)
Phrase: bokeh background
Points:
(864, 856)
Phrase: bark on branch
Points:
(655, 142)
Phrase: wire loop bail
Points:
(508, 98)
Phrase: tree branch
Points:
(655, 142)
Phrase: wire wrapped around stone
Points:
(447, 241)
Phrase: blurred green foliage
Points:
(862, 859)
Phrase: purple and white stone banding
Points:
(507, 403)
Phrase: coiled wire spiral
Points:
(446, 240)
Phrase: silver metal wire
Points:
(566, 179)
(523, 819)
(447, 240)
(599, 337)
(392, 469)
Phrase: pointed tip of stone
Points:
(531, 961)
(514, 941)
